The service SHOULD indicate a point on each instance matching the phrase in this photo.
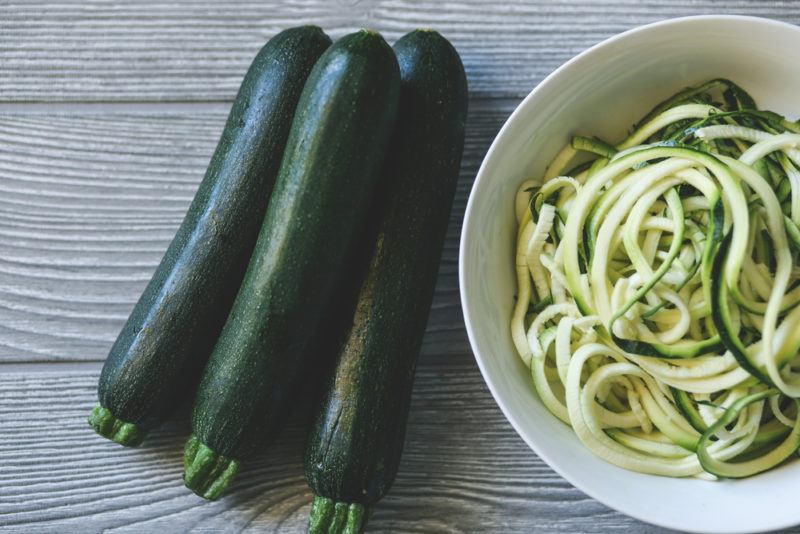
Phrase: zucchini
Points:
(765, 461)
(355, 444)
(594, 145)
(329, 174)
(168, 337)
(686, 406)
(674, 287)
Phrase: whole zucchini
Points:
(354, 447)
(168, 337)
(329, 173)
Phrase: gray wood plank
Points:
(198, 50)
(464, 470)
(89, 203)
(90, 196)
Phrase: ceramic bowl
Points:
(605, 90)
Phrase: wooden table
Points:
(108, 116)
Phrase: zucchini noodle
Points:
(658, 302)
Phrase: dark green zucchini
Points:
(330, 171)
(354, 447)
(168, 337)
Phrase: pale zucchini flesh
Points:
(658, 299)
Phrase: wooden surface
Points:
(109, 113)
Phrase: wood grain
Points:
(89, 203)
(109, 112)
(464, 470)
(78, 50)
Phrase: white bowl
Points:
(604, 91)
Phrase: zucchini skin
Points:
(354, 447)
(329, 174)
(168, 337)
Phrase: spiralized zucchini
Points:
(658, 293)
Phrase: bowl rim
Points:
(466, 236)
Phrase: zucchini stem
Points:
(331, 517)
(107, 425)
(207, 473)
